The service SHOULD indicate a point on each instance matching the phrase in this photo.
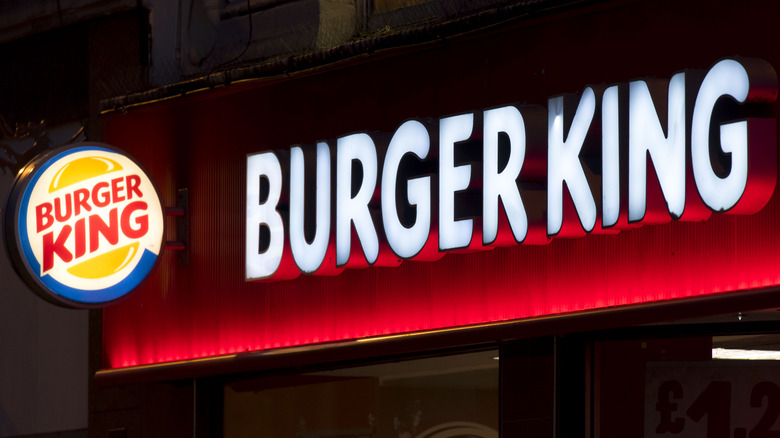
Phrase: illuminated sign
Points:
(84, 225)
(611, 158)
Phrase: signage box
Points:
(201, 142)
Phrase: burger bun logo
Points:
(84, 225)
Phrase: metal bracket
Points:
(180, 213)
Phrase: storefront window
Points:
(451, 396)
(707, 387)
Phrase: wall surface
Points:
(51, 78)
(43, 357)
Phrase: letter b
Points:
(263, 213)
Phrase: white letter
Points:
(307, 256)
(645, 135)
(610, 158)
(453, 234)
(726, 78)
(263, 265)
(411, 137)
(351, 210)
(503, 185)
(563, 163)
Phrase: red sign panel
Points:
(201, 143)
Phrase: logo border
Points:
(20, 251)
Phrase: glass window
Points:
(451, 396)
(705, 386)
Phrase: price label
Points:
(719, 399)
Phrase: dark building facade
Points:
(434, 219)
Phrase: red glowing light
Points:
(652, 264)
(206, 308)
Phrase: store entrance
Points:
(717, 378)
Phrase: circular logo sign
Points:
(84, 225)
